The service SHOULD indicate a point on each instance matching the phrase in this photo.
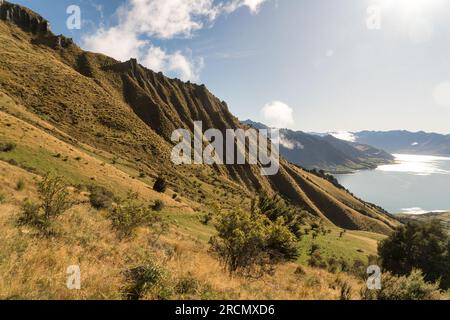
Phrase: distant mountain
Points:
(326, 152)
(406, 142)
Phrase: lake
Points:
(415, 184)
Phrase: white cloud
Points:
(290, 144)
(252, 5)
(278, 114)
(344, 135)
(161, 19)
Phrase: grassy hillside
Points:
(78, 92)
(34, 267)
(98, 122)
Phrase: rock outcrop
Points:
(23, 17)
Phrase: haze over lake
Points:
(415, 184)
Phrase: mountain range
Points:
(421, 143)
(326, 152)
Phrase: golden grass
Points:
(35, 268)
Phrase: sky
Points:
(310, 65)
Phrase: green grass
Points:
(190, 222)
(42, 161)
(352, 246)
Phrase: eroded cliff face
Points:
(23, 17)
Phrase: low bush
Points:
(54, 201)
(143, 279)
(130, 214)
(411, 287)
(100, 198)
(187, 285)
(160, 185)
(250, 244)
(158, 206)
(7, 147)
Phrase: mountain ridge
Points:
(327, 152)
(130, 111)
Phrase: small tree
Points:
(160, 185)
(251, 244)
(423, 246)
(54, 199)
(274, 207)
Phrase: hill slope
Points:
(124, 111)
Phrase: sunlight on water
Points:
(418, 165)
(414, 184)
(417, 210)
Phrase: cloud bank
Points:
(139, 21)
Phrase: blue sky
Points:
(312, 65)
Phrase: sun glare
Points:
(411, 7)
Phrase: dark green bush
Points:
(160, 185)
(100, 198)
(158, 206)
(423, 246)
(251, 244)
(7, 147)
(274, 207)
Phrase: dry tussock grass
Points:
(35, 268)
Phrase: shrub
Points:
(411, 287)
(130, 214)
(7, 147)
(2, 198)
(53, 196)
(20, 185)
(160, 185)
(142, 279)
(251, 244)
(100, 198)
(187, 285)
(274, 207)
(206, 218)
(317, 261)
(13, 162)
(158, 206)
(423, 246)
